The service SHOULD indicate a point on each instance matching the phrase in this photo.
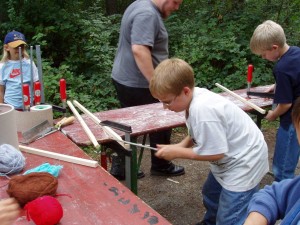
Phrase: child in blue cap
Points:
(10, 70)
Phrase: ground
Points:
(180, 202)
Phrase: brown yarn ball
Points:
(25, 188)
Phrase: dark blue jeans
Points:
(129, 96)
(224, 207)
(286, 154)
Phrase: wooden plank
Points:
(252, 105)
(84, 126)
(54, 155)
(107, 129)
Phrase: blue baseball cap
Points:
(14, 39)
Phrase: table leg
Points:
(103, 157)
(141, 152)
(259, 118)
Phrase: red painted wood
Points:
(97, 197)
(148, 118)
(261, 102)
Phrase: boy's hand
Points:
(271, 88)
(271, 116)
(165, 152)
(9, 211)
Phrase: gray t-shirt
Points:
(141, 24)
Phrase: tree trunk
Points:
(111, 7)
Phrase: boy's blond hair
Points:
(170, 77)
(266, 35)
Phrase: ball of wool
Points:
(44, 210)
(25, 188)
(46, 167)
(11, 160)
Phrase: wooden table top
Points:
(149, 118)
(96, 196)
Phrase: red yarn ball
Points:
(44, 210)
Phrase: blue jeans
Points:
(224, 207)
(286, 153)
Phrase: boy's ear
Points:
(187, 90)
(274, 47)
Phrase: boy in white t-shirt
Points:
(219, 132)
(10, 71)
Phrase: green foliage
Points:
(78, 42)
(214, 38)
(78, 46)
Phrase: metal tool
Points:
(136, 144)
(40, 71)
(64, 122)
(260, 94)
(21, 76)
(249, 77)
(125, 128)
(31, 76)
(118, 126)
(26, 97)
(44, 129)
(63, 93)
(37, 93)
(249, 82)
(35, 132)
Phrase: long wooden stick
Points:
(262, 111)
(62, 157)
(106, 129)
(84, 126)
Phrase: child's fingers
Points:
(9, 209)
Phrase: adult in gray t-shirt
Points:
(142, 24)
(143, 44)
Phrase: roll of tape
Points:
(8, 128)
(40, 107)
(36, 115)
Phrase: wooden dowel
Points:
(84, 126)
(62, 157)
(262, 111)
(106, 129)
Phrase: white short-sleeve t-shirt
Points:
(218, 126)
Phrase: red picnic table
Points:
(96, 196)
(147, 119)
